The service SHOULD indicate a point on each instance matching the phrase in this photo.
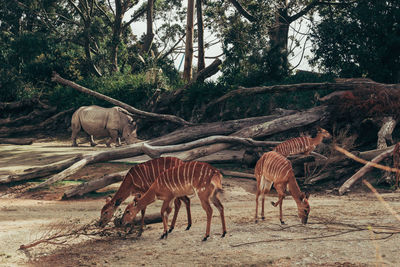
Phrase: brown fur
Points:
(274, 169)
(186, 179)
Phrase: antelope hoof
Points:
(223, 235)
(164, 235)
(170, 229)
(139, 234)
(205, 238)
(273, 203)
(282, 222)
(263, 218)
(256, 220)
(188, 227)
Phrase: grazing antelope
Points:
(182, 180)
(137, 181)
(274, 169)
(303, 144)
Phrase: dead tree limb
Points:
(138, 149)
(339, 86)
(299, 119)
(239, 174)
(16, 141)
(39, 172)
(7, 131)
(145, 114)
(94, 185)
(369, 166)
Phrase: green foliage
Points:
(360, 39)
(131, 89)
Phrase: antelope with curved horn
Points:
(186, 179)
(303, 144)
(137, 181)
(274, 169)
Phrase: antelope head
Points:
(324, 133)
(304, 208)
(107, 212)
(130, 213)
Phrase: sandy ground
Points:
(352, 230)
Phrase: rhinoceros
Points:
(104, 122)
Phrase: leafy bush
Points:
(131, 89)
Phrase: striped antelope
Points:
(186, 179)
(303, 144)
(274, 169)
(137, 181)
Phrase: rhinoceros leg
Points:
(92, 142)
(75, 131)
(113, 137)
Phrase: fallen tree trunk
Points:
(39, 172)
(138, 149)
(260, 130)
(343, 189)
(94, 185)
(215, 128)
(145, 114)
(299, 119)
(7, 131)
(338, 86)
(16, 141)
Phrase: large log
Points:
(16, 141)
(46, 124)
(278, 125)
(94, 184)
(171, 118)
(39, 172)
(338, 86)
(142, 148)
(179, 136)
(299, 119)
(345, 187)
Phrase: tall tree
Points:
(359, 39)
(200, 36)
(187, 71)
(148, 40)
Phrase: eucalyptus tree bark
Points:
(200, 35)
(149, 27)
(187, 71)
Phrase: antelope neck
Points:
(148, 198)
(294, 190)
(317, 139)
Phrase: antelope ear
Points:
(319, 128)
(108, 199)
(307, 195)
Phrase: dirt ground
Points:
(352, 230)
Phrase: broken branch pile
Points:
(27, 117)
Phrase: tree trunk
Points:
(385, 133)
(149, 32)
(16, 141)
(200, 35)
(343, 189)
(261, 130)
(95, 184)
(242, 91)
(187, 71)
